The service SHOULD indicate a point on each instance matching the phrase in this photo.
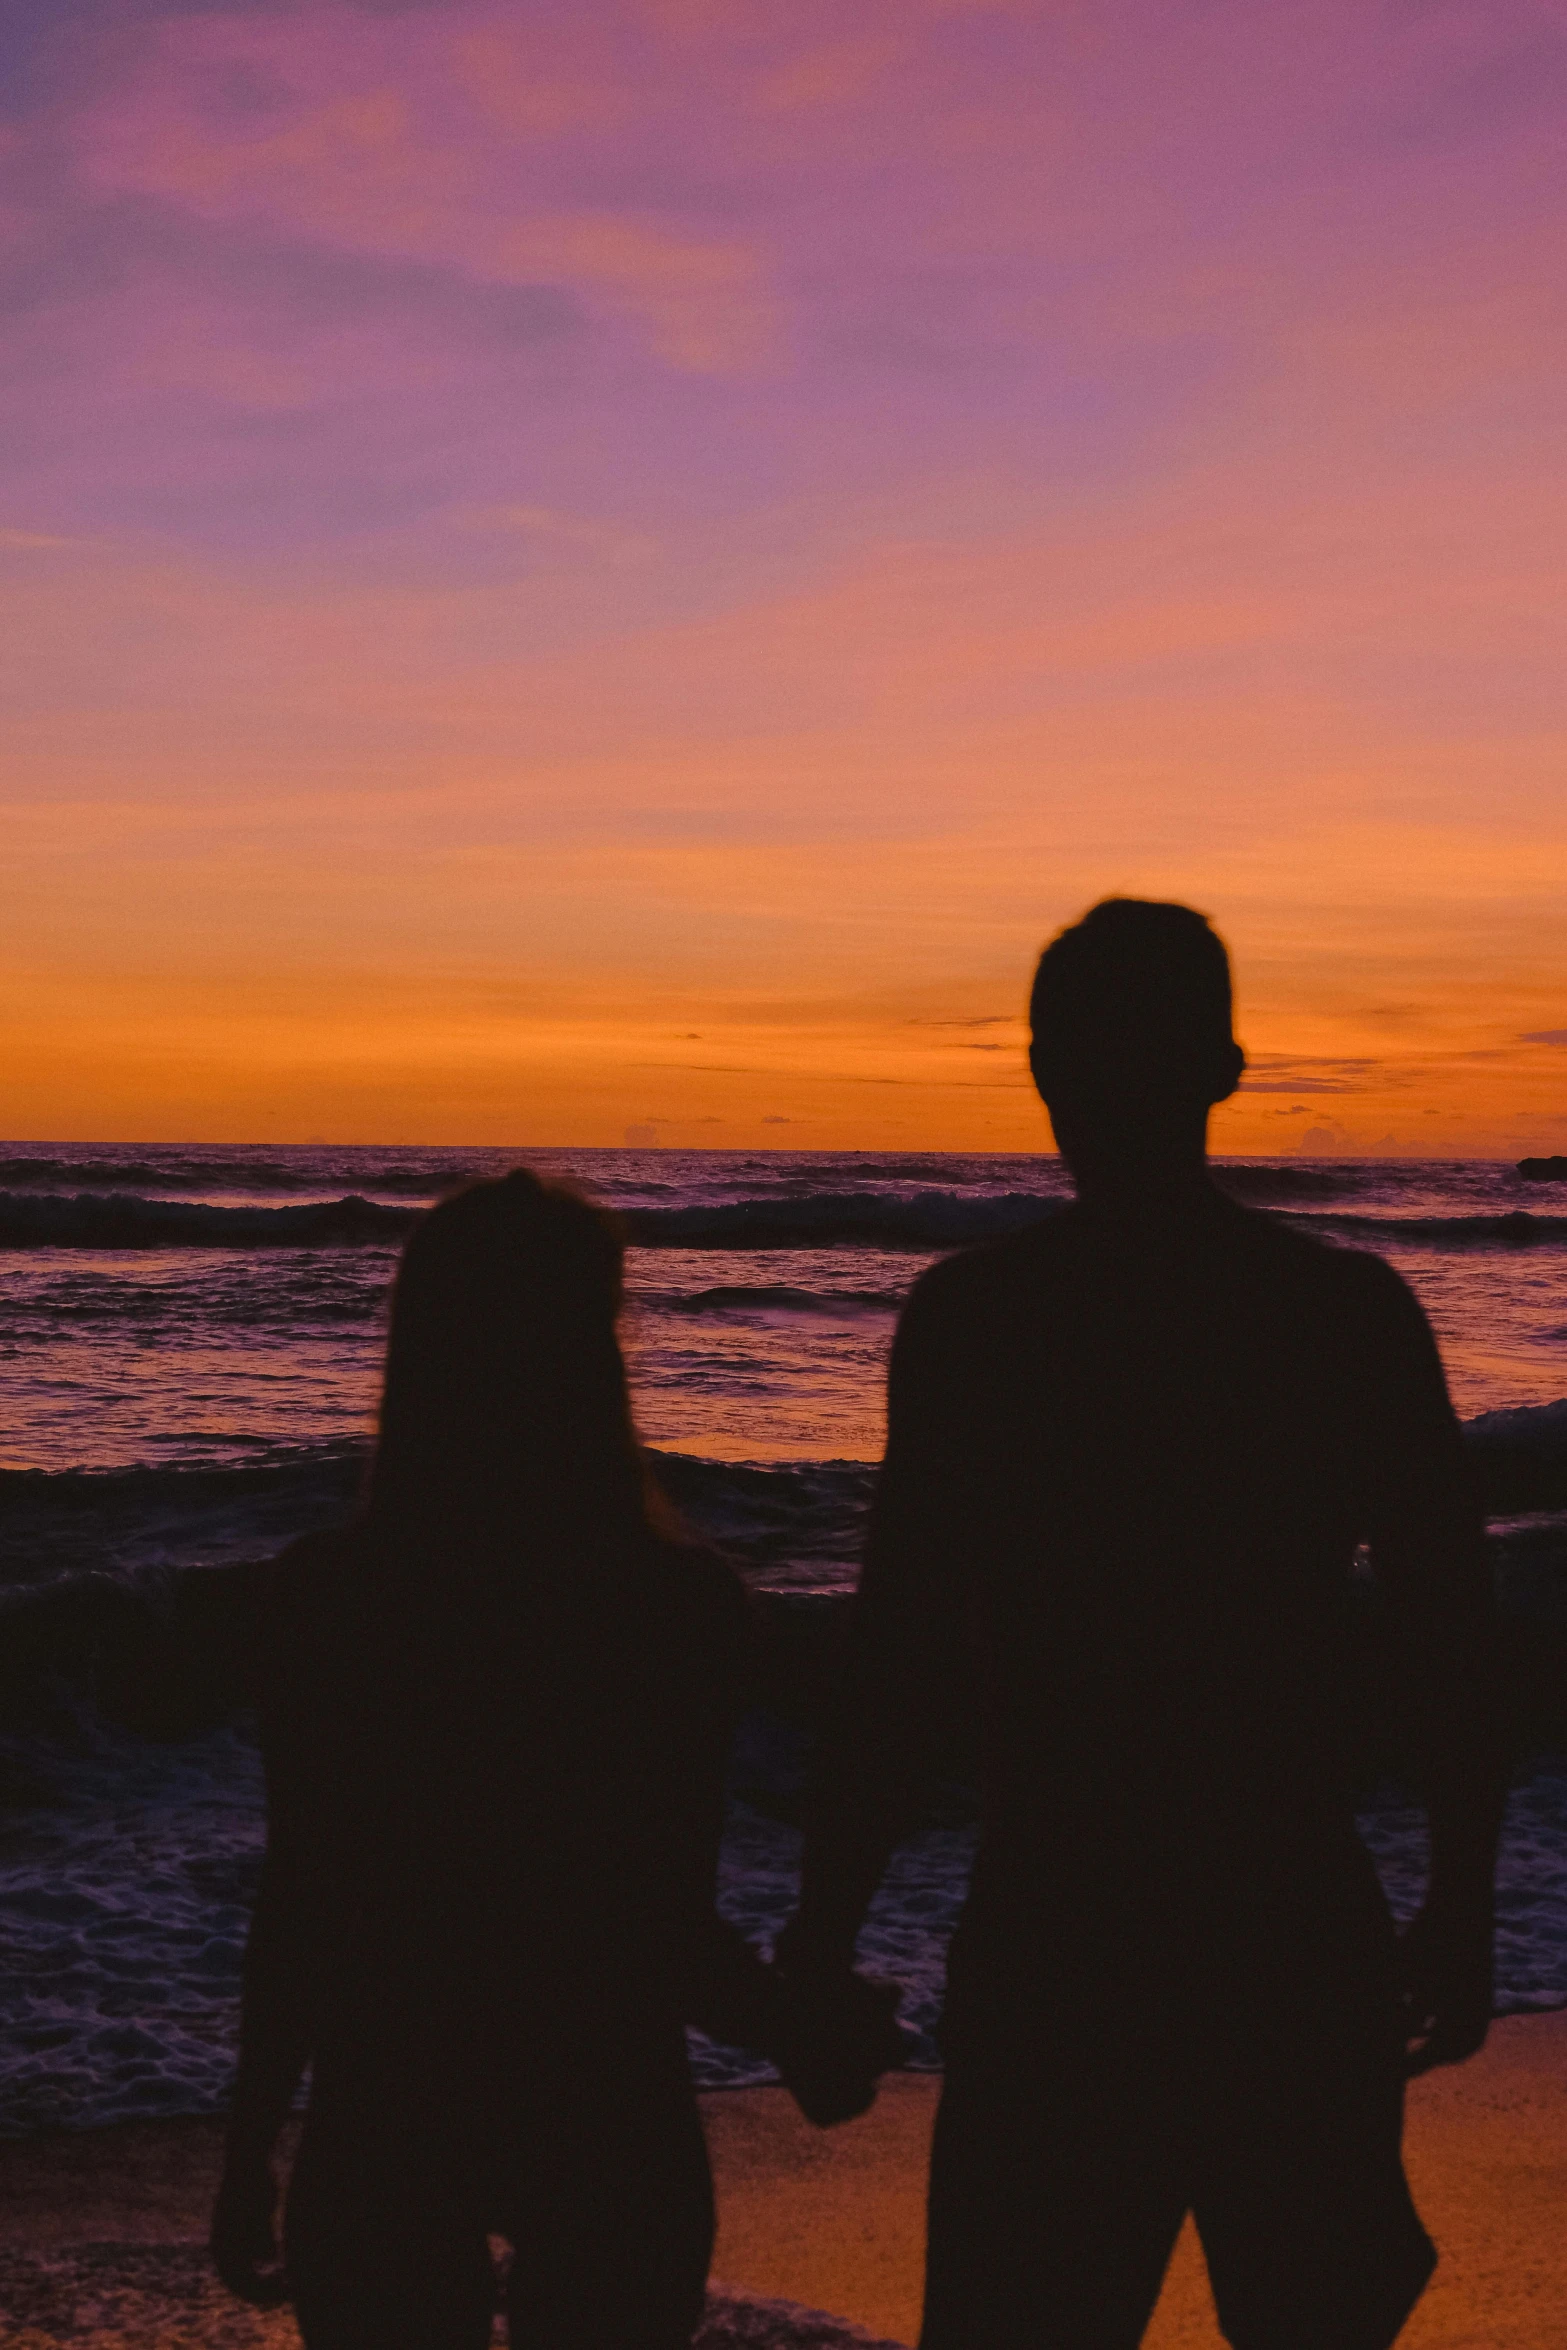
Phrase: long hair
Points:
(506, 1435)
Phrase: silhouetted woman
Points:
(495, 1712)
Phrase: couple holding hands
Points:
(1131, 1455)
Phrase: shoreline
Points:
(835, 2220)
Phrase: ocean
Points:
(191, 1339)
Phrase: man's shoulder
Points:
(976, 1280)
(1349, 1275)
(1353, 1308)
(1026, 1266)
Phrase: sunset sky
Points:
(623, 563)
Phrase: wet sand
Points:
(835, 2221)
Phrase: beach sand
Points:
(835, 2220)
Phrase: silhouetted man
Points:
(1131, 1454)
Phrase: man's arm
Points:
(903, 1654)
(710, 1676)
(1428, 1551)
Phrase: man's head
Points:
(1131, 1028)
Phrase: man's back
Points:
(1127, 1475)
(1149, 1456)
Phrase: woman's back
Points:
(519, 1781)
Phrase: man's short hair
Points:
(1136, 991)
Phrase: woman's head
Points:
(505, 1408)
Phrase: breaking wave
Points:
(812, 1219)
(176, 1171)
(1264, 1184)
(1516, 1229)
(127, 1524)
(930, 1220)
(122, 1220)
(796, 1525)
(1520, 1456)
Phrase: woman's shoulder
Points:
(314, 1568)
(711, 1604)
(696, 1566)
(309, 1594)
(705, 1637)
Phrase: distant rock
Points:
(1543, 1170)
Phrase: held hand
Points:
(837, 2034)
(1446, 1967)
(243, 2242)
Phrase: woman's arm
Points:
(295, 1926)
(279, 2015)
(279, 2012)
